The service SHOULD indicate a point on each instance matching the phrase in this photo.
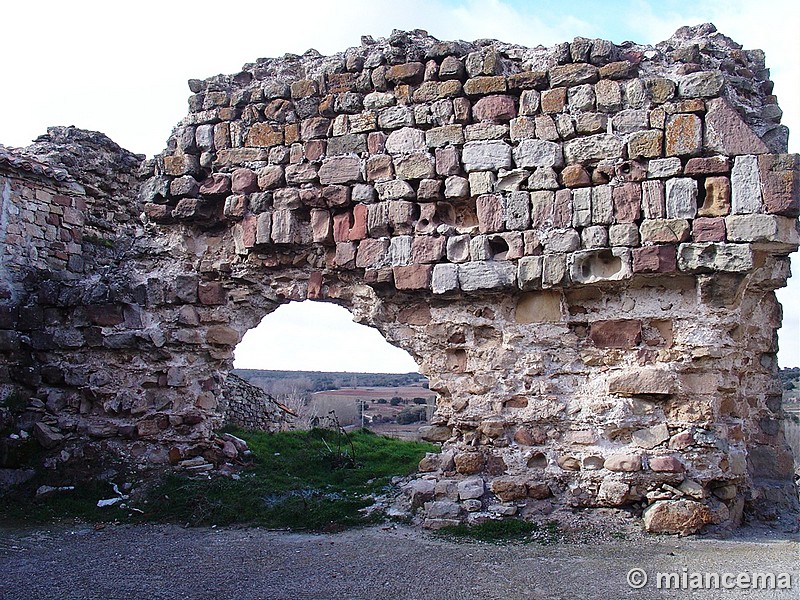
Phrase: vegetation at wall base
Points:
(298, 480)
(504, 531)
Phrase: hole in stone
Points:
(466, 213)
(596, 266)
(498, 247)
(537, 461)
(312, 358)
(445, 213)
(701, 194)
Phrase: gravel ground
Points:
(168, 561)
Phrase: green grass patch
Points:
(306, 480)
(506, 530)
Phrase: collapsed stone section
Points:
(578, 244)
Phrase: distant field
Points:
(370, 393)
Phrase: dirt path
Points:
(166, 561)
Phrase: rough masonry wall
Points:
(578, 244)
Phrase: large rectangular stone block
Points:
(709, 257)
(745, 185)
(486, 275)
(486, 156)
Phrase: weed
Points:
(506, 530)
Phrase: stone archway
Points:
(579, 245)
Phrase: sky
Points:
(121, 68)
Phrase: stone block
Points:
(623, 462)
(683, 136)
(427, 249)
(418, 165)
(608, 96)
(650, 437)
(653, 200)
(458, 248)
(444, 279)
(627, 200)
(602, 205)
(494, 108)
(301, 173)
(538, 153)
(345, 257)
(708, 257)
(480, 86)
(340, 169)
(529, 272)
(594, 148)
(592, 266)
(264, 135)
(623, 234)
(717, 201)
(321, 228)
(702, 84)
(573, 74)
(655, 259)
(664, 231)
(400, 250)
(780, 183)
(542, 208)
(522, 128)
(546, 128)
(766, 229)
(562, 209)
(745, 185)
(396, 117)
(486, 156)
(581, 207)
(646, 144)
(448, 161)
(486, 275)
(711, 165)
(624, 334)
(439, 137)
(395, 189)
(681, 198)
(683, 517)
(666, 464)
(491, 213)
(518, 211)
(554, 270)
(664, 167)
(554, 101)
(372, 254)
(406, 140)
(708, 229)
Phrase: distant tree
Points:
(419, 401)
(411, 414)
(396, 401)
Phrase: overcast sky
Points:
(121, 68)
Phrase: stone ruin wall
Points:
(249, 407)
(579, 245)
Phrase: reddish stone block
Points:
(314, 150)
(372, 253)
(376, 142)
(655, 259)
(705, 229)
(708, 166)
(244, 181)
(379, 168)
(336, 195)
(780, 183)
(623, 333)
(684, 135)
(410, 72)
(211, 293)
(575, 176)
(427, 249)
(155, 212)
(345, 255)
(216, 184)
(342, 223)
(249, 228)
(562, 209)
(447, 161)
(491, 215)
(413, 277)
(627, 202)
(314, 287)
(359, 229)
(667, 464)
(554, 100)
(494, 108)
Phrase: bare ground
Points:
(168, 561)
